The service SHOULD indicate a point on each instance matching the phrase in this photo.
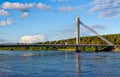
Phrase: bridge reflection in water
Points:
(78, 64)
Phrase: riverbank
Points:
(86, 49)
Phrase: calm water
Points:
(59, 64)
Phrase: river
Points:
(59, 64)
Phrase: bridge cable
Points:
(93, 31)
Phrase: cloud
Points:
(25, 6)
(3, 12)
(68, 8)
(18, 6)
(4, 41)
(24, 15)
(92, 30)
(9, 21)
(43, 6)
(106, 8)
(59, 0)
(32, 39)
(6, 22)
(100, 27)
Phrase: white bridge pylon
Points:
(93, 31)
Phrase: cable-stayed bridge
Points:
(77, 45)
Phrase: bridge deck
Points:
(56, 45)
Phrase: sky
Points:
(28, 21)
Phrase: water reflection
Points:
(66, 54)
(78, 64)
(62, 64)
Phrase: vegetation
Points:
(114, 38)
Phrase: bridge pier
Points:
(96, 48)
(78, 49)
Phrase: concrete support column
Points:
(96, 48)
(77, 33)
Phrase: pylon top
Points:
(78, 16)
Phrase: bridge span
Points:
(57, 45)
(96, 46)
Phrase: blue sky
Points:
(28, 21)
